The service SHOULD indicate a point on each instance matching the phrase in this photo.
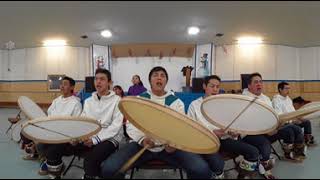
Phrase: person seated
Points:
(102, 106)
(137, 87)
(193, 164)
(309, 139)
(229, 141)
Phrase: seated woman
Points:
(137, 87)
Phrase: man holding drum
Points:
(192, 163)
(229, 141)
(103, 106)
(255, 88)
(291, 134)
(66, 104)
(283, 104)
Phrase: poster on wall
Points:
(203, 61)
(100, 57)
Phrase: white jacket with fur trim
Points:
(69, 106)
(169, 100)
(106, 111)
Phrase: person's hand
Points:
(88, 142)
(74, 142)
(273, 133)
(219, 132)
(233, 134)
(149, 142)
(169, 149)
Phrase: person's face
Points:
(285, 91)
(212, 88)
(256, 86)
(297, 105)
(101, 83)
(135, 80)
(66, 88)
(158, 81)
(117, 91)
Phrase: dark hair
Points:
(156, 69)
(71, 81)
(208, 78)
(298, 100)
(254, 75)
(104, 71)
(281, 85)
(140, 82)
(119, 87)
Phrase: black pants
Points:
(248, 151)
(94, 156)
(290, 134)
(306, 125)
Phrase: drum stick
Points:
(251, 102)
(127, 165)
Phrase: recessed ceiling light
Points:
(193, 30)
(249, 40)
(54, 42)
(106, 33)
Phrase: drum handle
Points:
(134, 158)
(251, 102)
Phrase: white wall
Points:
(37, 63)
(124, 68)
(274, 62)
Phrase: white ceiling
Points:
(278, 22)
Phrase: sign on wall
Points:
(100, 57)
(203, 61)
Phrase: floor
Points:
(12, 165)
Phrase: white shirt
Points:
(138, 136)
(282, 104)
(69, 106)
(263, 98)
(106, 111)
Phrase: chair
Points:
(156, 164)
(77, 155)
(13, 121)
(229, 156)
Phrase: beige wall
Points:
(37, 91)
(308, 90)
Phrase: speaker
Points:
(89, 86)
(244, 80)
(197, 85)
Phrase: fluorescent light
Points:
(106, 33)
(249, 40)
(54, 42)
(193, 30)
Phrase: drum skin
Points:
(30, 108)
(258, 118)
(168, 126)
(60, 129)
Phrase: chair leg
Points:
(69, 166)
(275, 153)
(9, 128)
(181, 173)
(132, 172)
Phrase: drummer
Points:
(192, 163)
(255, 88)
(103, 106)
(290, 133)
(67, 105)
(304, 123)
(230, 141)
